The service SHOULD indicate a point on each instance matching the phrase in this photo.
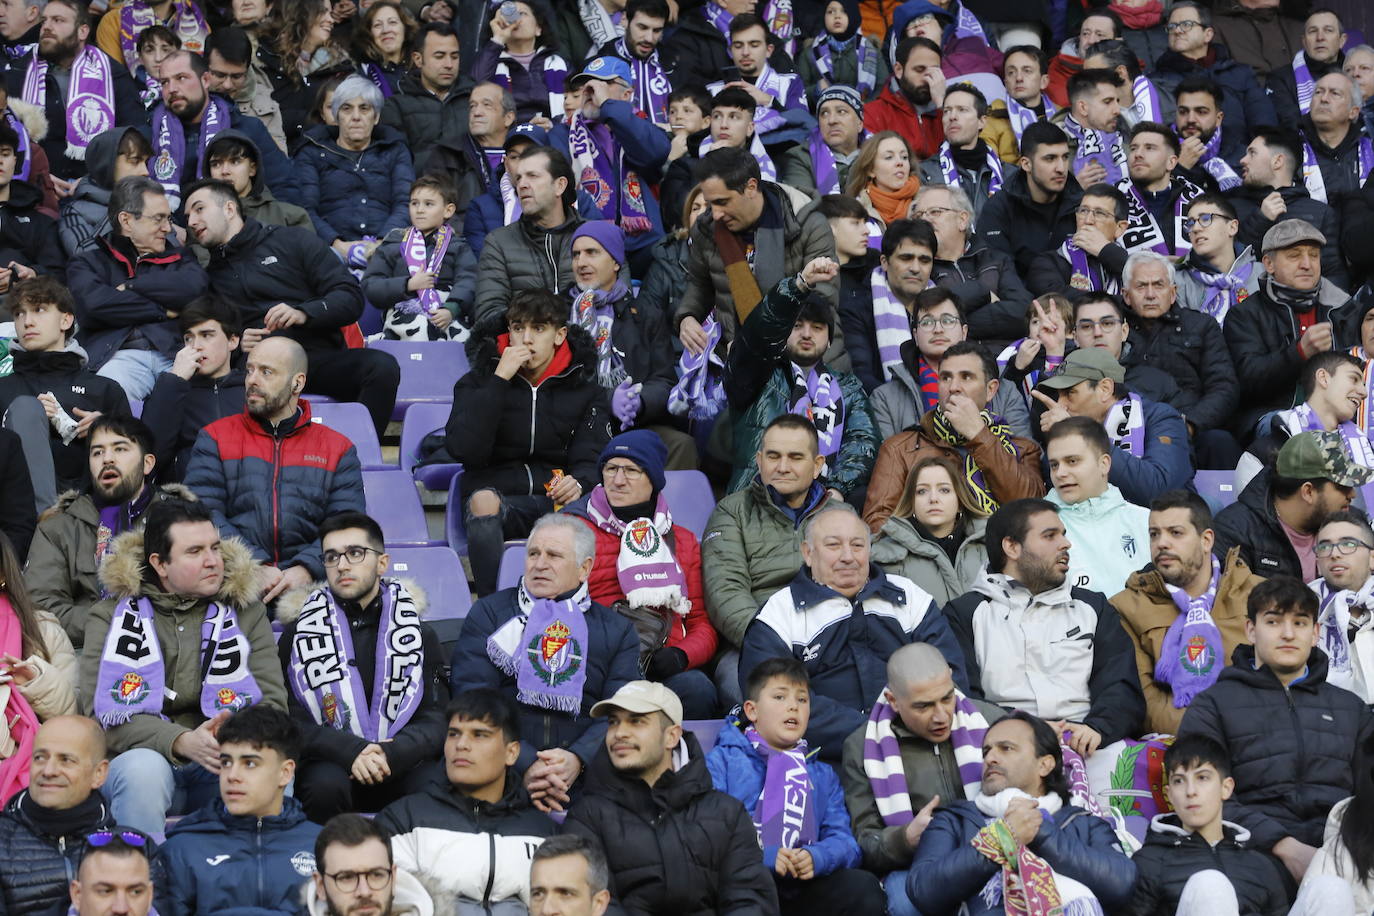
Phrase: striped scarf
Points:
(928, 382)
(883, 757)
(891, 322)
(943, 432)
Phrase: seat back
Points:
(1217, 487)
(393, 502)
(352, 420)
(429, 370)
(689, 499)
(439, 571)
(512, 565)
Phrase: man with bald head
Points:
(43, 828)
(843, 617)
(270, 475)
(1335, 140)
(919, 749)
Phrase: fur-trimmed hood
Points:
(33, 117)
(121, 573)
(289, 607)
(164, 491)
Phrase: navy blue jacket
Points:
(153, 286)
(177, 409)
(216, 862)
(611, 656)
(1167, 463)
(948, 872)
(1243, 99)
(351, 195)
(856, 319)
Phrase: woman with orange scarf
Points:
(883, 177)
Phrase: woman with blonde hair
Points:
(935, 535)
(883, 177)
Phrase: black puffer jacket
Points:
(424, 118)
(1189, 347)
(510, 435)
(1251, 524)
(26, 235)
(1172, 855)
(177, 410)
(1300, 205)
(1293, 749)
(679, 847)
(981, 271)
(523, 255)
(40, 858)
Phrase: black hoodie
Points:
(259, 202)
(27, 236)
(176, 410)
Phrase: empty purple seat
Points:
(421, 420)
(689, 499)
(455, 526)
(429, 370)
(706, 731)
(353, 420)
(393, 502)
(1217, 487)
(512, 565)
(439, 571)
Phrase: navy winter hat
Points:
(644, 448)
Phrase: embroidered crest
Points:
(596, 186)
(1197, 657)
(554, 654)
(130, 689)
(643, 538)
(1080, 280)
(164, 167)
(228, 698)
(1128, 544)
(1241, 295)
(335, 713)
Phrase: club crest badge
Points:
(164, 167)
(230, 699)
(130, 689)
(1197, 657)
(642, 538)
(554, 654)
(335, 713)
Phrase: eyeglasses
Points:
(628, 471)
(1183, 26)
(1344, 547)
(229, 77)
(930, 212)
(347, 881)
(355, 554)
(1108, 324)
(1094, 213)
(929, 322)
(160, 219)
(1202, 219)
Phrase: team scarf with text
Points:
(1022, 117)
(700, 390)
(828, 47)
(1212, 163)
(379, 79)
(1125, 425)
(1306, 84)
(593, 310)
(1083, 275)
(1225, 290)
(950, 170)
(425, 301)
(1099, 146)
(891, 322)
(1312, 173)
(90, 97)
(1143, 230)
(1146, 105)
(944, 432)
(646, 568)
(601, 26)
(777, 15)
(817, 396)
(599, 163)
(1333, 626)
(652, 87)
(1192, 654)
(785, 814)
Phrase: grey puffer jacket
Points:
(900, 549)
(896, 405)
(520, 256)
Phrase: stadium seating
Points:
(353, 420)
(439, 571)
(429, 370)
(512, 565)
(421, 420)
(1217, 487)
(393, 502)
(689, 499)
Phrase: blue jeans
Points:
(144, 788)
(135, 371)
(898, 903)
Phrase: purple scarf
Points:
(1146, 105)
(1306, 84)
(648, 572)
(950, 170)
(891, 322)
(1357, 445)
(90, 97)
(817, 396)
(425, 301)
(823, 164)
(379, 79)
(25, 160)
(599, 163)
(882, 760)
(1312, 173)
(328, 686)
(593, 310)
(651, 84)
(785, 815)
(719, 17)
(1214, 165)
(186, 21)
(827, 47)
(777, 15)
(968, 26)
(1083, 275)
(169, 143)
(1097, 146)
(117, 518)
(1192, 655)
(1224, 290)
(544, 647)
(131, 679)
(700, 390)
(1023, 117)
(553, 68)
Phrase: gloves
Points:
(626, 403)
(665, 662)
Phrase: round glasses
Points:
(347, 881)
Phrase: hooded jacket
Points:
(1061, 654)
(677, 848)
(1244, 101)
(83, 216)
(351, 195)
(1300, 205)
(1293, 748)
(900, 549)
(236, 865)
(510, 435)
(523, 255)
(1147, 611)
(1192, 294)
(1110, 538)
(980, 273)
(43, 850)
(897, 405)
(28, 235)
(495, 841)
(259, 203)
(271, 486)
(1251, 524)
(177, 623)
(948, 874)
(155, 286)
(1172, 854)
(1022, 228)
(845, 644)
(177, 409)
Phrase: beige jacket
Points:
(53, 692)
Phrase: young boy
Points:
(423, 277)
(796, 800)
(1190, 853)
(1024, 362)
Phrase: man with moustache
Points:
(650, 64)
(1208, 148)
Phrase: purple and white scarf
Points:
(1333, 623)
(966, 25)
(1302, 76)
(25, 160)
(823, 164)
(1023, 117)
(648, 572)
(425, 301)
(767, 169)
(555, 71)
(379, 79)
(785, 87)
(1097, 146)
(599, 163)
(785, 815)
(186, 21)
(950, 170)
(601, 26)
(1083, 275)
(1357, 445)
(700, 390)
(891, 323)
(1143, 230)
(1312, 173)
(777, 15)
(131, 679)
(544, 647)
(828, 47)
(328, 686)
(593, 310)
(719, 17)
(1225, 290)
(652, 87)
(169, 143)
(1192, 654)
(882, 759)
(90, 97)
(817, 396)
(1125, 425)
(1145, 105)
(1217, 167)
(510, 200)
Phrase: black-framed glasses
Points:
(929, 322)
(1182, 26)
(1344, 547)
(355, 554)
(1202, 219)
(347, 881)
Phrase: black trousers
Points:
(847, 891)
(369, 377)
(324, 788)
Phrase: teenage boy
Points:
(849, 224)
(796, 799)
(1189, 854)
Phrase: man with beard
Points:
(81, 90)
(1206, 149)
(1017, 629)
(1155, 195)
(1034, 211)
(964, 158)
(187, 120)
(1185, 614)
(1092, 123)
(1338, 155)
(1291, 86)
(1344, 590)
(650, 65)
(912, 100)
(275, 506)
(354, 873)
(371, 726)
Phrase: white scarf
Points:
(1333, 624)
(600, 27)
(767, 169)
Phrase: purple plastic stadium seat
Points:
(393, 502)
(429, 370)
(421, 420)
(512, 565)
(353, 420)
(1217, 487)
(455, 527)
(689, 499)
(439, 571)
(706, 731)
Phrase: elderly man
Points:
(585, 650)
(911, 756)
(1291, 87)
(843, 618)
(44, 828)
(1335, 141)
(130, 288)
(176, 592)
(1090, 260)
(1218, 272)
(114, 877)
(964, 159)
(1292, 316)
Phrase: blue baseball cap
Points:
(532, 133)
(604, 68)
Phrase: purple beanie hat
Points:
(606, 234)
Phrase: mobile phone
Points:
(730, 74)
